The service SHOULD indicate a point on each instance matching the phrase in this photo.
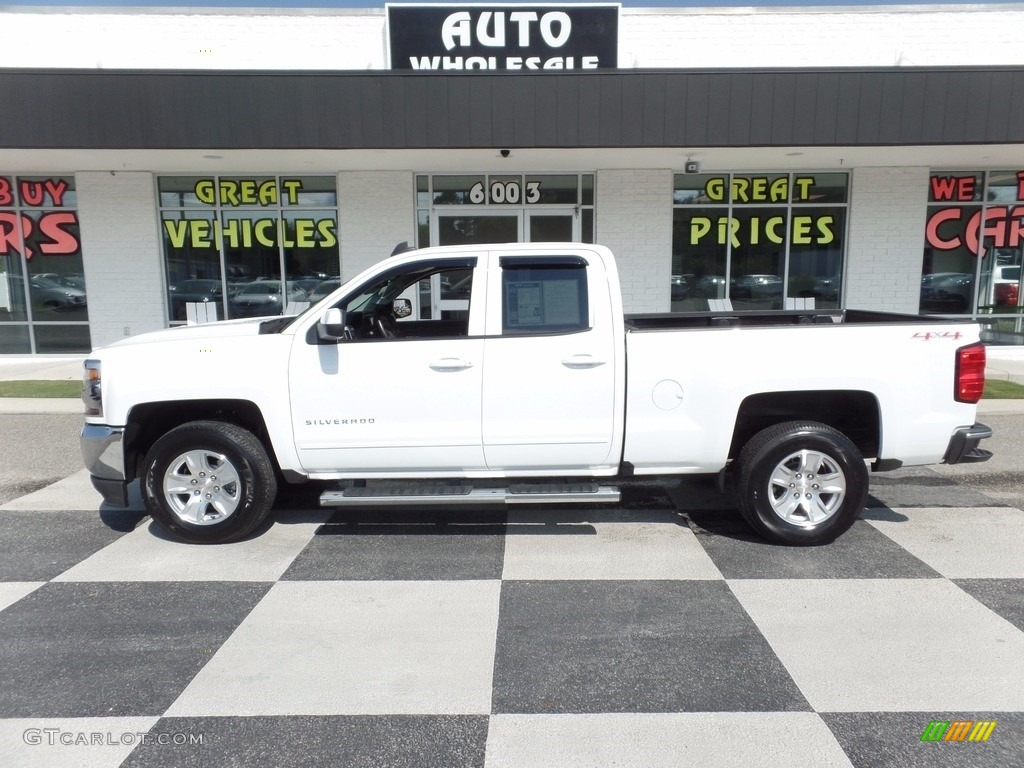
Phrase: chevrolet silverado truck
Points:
(509, 374)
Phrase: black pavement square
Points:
(404, 545)
(893, 739)
(1004, 596)
(113, 649)
(396, 741)
(861, 553)
(701, 492)
(633, 646)
(37, 546)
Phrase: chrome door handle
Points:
(582, 361)
(447, 364)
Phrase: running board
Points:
(543, 493)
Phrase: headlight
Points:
(92, 391)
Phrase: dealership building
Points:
(157, 159)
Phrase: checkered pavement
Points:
(654, 633)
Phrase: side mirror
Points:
(331, 327)
(401, 308)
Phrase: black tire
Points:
(184, 494)
(797, 498)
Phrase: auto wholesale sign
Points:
(507, 38)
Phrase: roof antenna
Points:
(402, 247)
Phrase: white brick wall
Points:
(339, 39)
(121, 254)
(193, 39)
(820, 36)
(634, 219)
(886, 240)
(377, 213)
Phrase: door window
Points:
(384, 308)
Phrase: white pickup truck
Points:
(510, 373)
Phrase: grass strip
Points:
(40, 388)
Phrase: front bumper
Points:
(103, 452)
(963, 445)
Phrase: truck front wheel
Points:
(208, 482)
(801, 483)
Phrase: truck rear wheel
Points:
(801, 483)
(208, 482)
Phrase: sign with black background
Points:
(506, 38)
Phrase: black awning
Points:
(104, 109)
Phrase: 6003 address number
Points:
(505, 192)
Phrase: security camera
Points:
(506, 152)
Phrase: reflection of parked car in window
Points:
(47, 295)
(950, 292)
(680, 287)
(307, 284)
(828, 287)
(1007, 294)
(953, 292)
(323, 288)
(1006, 285)
(75, 281)
(264, 297)
(756, 287)
(50, 295)
(710, 287)
(188, 291)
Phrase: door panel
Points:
(396, 405)
(400, 395)
(549, 383)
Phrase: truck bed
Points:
(758, 318)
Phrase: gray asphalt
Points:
(36, 450)
(1002, 476)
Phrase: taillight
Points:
(970, 373)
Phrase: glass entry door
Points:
(458, 228)
(552, 227)
(478, 228)
(438, 301)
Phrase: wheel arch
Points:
(147, 422)
(854, 413)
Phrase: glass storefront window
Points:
(457, 190)
(252, 245)
(973, 249)
(758, 239)
(43, 300)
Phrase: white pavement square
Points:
(355, 648)
(767, 739)
(12, 591)
(83, 742)
(73, 492)
(894, 645)
(979, 543)
(146, 554)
